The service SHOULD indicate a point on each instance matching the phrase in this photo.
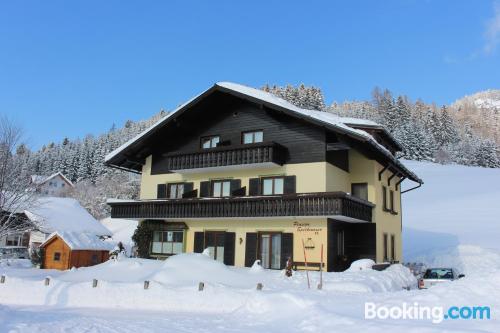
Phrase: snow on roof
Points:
(64, 215)
(81, 241)
(326, 118)
(39, 179)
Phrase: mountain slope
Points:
(456, 205)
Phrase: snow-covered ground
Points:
(450, 221)
(456, 205)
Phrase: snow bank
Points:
(174, 285)
(361, 265)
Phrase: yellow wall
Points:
(311, 177)
(312, 231)
(364, 170)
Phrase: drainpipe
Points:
(413, 188)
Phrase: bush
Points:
(142, 238)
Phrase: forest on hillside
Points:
(427, 132)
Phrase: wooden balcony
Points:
(257, 154)
(330, 204)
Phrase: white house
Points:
(52, 185)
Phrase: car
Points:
(14, 252)
(433, 276)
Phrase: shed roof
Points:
(80, 241)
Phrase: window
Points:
(253, 137)
(221, 188)
(386, 249)
(391, 202)
(13, 240)
(360, 190)
(168, 242)
(93, 259)
(214, 242)
(270, 250)
(175, 190)
(272, 185)
(393, 247)
(62, 184)
(57, 256)
(210, 142)
(384, 198)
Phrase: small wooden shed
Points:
(64, 250)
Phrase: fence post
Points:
(146, 285)
(94, 283)
(47, 281)
(259, 286)
(201, 285)
(2, 279)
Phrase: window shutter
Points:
(384, 197)
(190, 194)
(229, 244)
(250, 249)
(289, 187)
(235, 185)
(204, 189)
(254, 186)
(161, 191)
(286, 248)
(198, 242)
(240, 192)
(188, 187)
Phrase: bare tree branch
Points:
(17, 194)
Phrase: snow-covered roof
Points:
(81, 241)
(327, 119)
(53, 214)
(39, 179)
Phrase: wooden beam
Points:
(399, 182)
(390, 178)
(381, 172)
(337, 146)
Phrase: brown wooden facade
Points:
(58, 255)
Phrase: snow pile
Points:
(174, 285)
(361, 265)
(64, 214)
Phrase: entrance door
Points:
(348, 242)
(214, 242)
(270, 250)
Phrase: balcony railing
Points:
(305, 204)
(257, 153)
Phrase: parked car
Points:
(14, 252)
(433, 276)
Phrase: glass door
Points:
(270, 250)
(214, 242)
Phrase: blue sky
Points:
(72, 68)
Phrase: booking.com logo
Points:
(417, 312)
